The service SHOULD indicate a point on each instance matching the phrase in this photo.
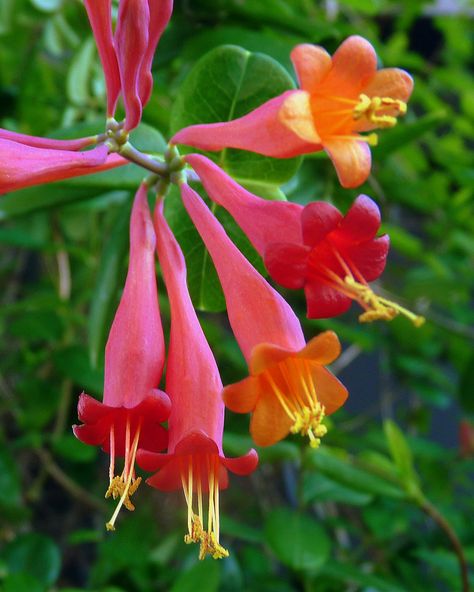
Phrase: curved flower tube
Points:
(160, 14)
(288, 390)
(195, 459)
(99, 13)
(53, 144)
(22, 165)
(132, 408)
(340, 97)
(131, 43)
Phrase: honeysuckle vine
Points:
(177, 432)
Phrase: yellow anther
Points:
(372, 108)
(376, 307)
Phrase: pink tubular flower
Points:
(132, 407)
(339, 98)
(195, 460)
(22, 165)
(100, 18)
(331, 256)
(160, 13)
(38, 142)
(131, 42)
(288, 389)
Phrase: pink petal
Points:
(261, 220)
(242, 465)
(160, 13)
(351, 159)
(259, 131)
(296, 114)
(131, 42)
(135, 351)
(318, 219)
(37, 142)
(311, 64)
(99, 13)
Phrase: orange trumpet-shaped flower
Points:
(339, 98)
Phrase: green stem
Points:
(441, 521)
(134, 155)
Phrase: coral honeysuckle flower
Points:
(132, 408)
(100, 18)
(160, 13)
(195, 460)
(22, 165)
(288, 390)
(340, 97)
(331, 256)
(131, 43)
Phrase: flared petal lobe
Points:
(100, 18)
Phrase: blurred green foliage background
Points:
(363, 512)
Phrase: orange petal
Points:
(330, 392)
(295, 114)
(269, 422)
(265, 355)
(311, 64)
(241, 397)
(352, 160)
(353, 65)
(323, 349)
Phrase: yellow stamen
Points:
(125, 485)
(208, 540)
(299, 399)
(372, 108)
(376, 307)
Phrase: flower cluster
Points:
(332, 256)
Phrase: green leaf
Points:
(343, 472)
(73, 363)
(203, 283)
(319, 488)
(22, 582)
(297, 540)
(239, 530)
(228, 83)
(107, 284)
(401, 454)
(35, 555)
(203, 576)
(78, 82)
(69, 447)
(10, 489)
(342, 572)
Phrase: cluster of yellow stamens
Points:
(123, 486)
(298, 397)
(372, 108)
(192, 476)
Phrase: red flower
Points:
(288, 390)
(339, 98)
(22, 165)
(195, 459)
(132, 407)
(331, 256)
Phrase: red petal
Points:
(286, 263)
(361, 222)
(242, 465)
(318, 219)
(369, 258)
(324, 302)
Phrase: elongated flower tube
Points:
(131, 42)
(314, 247)
(53, 144)
(132, 408)
(340, 97)
(22, 165)
(195, 460)
(160, 13)
(288, 389)
(100, 18)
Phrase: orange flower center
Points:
(194, 469)
(354, 286)
(123, 486)
(292, 384)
